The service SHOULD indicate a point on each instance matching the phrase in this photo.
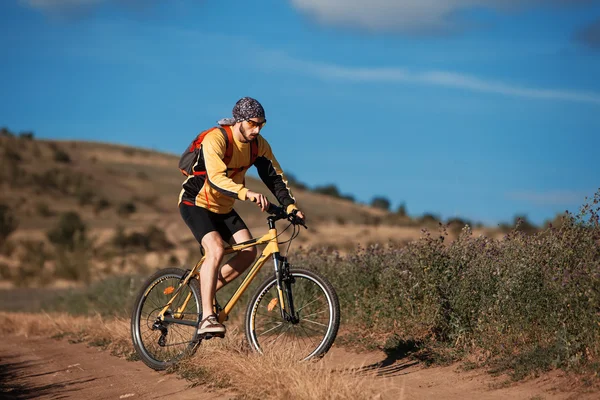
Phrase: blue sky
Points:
(480, 109)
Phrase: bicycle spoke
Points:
(306, 305)
(282, 333)
(264, 333)
(313, 314)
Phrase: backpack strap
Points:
(253, 152)
(228, 133)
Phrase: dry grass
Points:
(226, 363)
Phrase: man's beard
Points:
(243, 132)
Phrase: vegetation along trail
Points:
(89, 358)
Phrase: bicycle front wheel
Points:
(311, 334)
(160, 343)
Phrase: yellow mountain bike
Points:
(294, 310)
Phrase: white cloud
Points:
(399, 75)
(412, 16)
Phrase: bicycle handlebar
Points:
(278, 213)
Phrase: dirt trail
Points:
(45, 368)
(50, 369)
(404, 379)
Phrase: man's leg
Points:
(238, 264)
(213, 245)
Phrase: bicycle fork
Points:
(284, 288)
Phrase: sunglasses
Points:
(254, 124)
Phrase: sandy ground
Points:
(44, 368)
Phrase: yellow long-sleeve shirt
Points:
(217, 188)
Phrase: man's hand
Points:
(300, 215)
(259, 199)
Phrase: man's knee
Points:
(213, 246)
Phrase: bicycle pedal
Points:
(207, 336)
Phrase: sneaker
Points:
(211, 325)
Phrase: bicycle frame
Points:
(271, 249)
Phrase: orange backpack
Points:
(190, 156)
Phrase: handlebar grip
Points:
(274, 210)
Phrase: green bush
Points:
(101, 204)
(69, 232)
(74, 264)
(529, 300)
(333, 191)
(152, 239)
(73, 250)
(5, 272)
(4, 131)
(43, 210)
(110, 297)
(27, 135)
(61, 156)
(402, 210)
(8, 223)
(126, 209)
(32, 262)
(381, 203)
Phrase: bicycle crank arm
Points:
(171, 320)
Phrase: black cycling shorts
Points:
(202, 221)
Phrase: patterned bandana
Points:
(244, 109)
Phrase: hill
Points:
(122, 193)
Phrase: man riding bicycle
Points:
(209, 192)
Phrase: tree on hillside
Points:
(295, 182)
(69, 232)
(8, 222)
(522, 224)
(329, 190)
(332, 190)
(429, 218)
(4, 131)
(380, 202)
(26, 135)
(402, 210)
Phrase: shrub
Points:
(61, 156)
(74, 264)
(381, 203)
(429, 218)
(28, 135)
(43, 210)
(69, 232)
(111, 297)
(72, 248)
(457, 224)
(126, 209)
(153, 239)
(529, 301)
(101, 204)
(295, 182)
(332, 190)
(4, 131)
(8, 222)
(5, 272)
(31, 268)
(522, 224)
(402, 210)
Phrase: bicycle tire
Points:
(146, 342)
(305, 282)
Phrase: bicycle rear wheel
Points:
(162, 343)
(317, 308)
